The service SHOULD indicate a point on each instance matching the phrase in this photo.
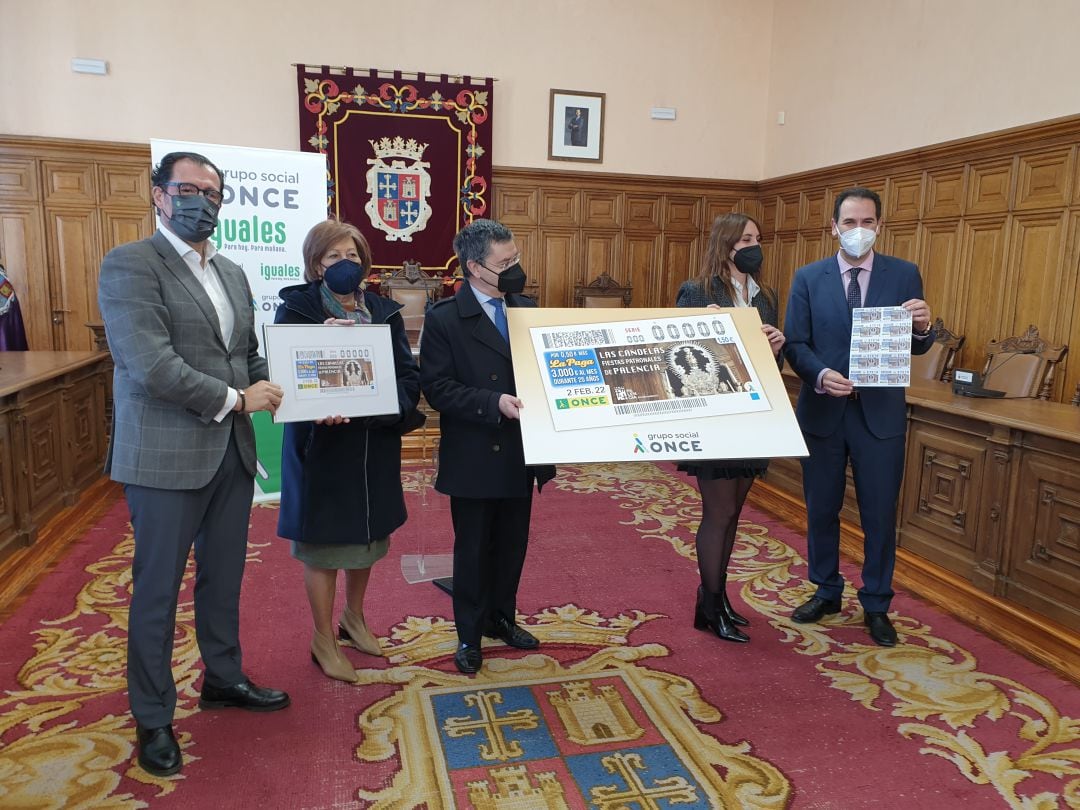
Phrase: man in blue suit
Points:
(841, 422)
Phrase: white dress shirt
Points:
(207, 276)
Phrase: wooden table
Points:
(53, 436)
(989, 514)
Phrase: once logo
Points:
(581, 402)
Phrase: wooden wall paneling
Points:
(602, 209)
(946, 192)
(1044, 179)
(640, 260)
(682, 214)
(600, 254)
(643, 212)
(515, 205)
(784, 261)
(717, 207)
(990, 186)
(75, 258)
(124, 185)
(811, 247)
(901, 239)
(770, 205)
(903, 198)
(23, 254)
(875, 184)
(69, 182)
(18, 180)
(123, 226)
(750, 207)
(938, 257)
(788, 211)
(981, 290)
(559, 207)
(1070, 291)
(814, 210)
(1036, 252)
(528, 245)
(680, 261)
(559, 249)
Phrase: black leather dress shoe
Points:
(244, 695)
(468, 659)
(159, 753)
(513, 634)
(881, 629)
(813, 609)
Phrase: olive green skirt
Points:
(341, 555)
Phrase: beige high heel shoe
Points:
(328, 655)
(354, 631)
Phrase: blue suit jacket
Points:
(818, 331)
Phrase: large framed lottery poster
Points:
(649, 385)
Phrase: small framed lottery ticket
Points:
(331, 370)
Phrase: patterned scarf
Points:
(335, 309)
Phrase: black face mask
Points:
(343, 276)
(193, 218)
(748, 260)
(512, 279)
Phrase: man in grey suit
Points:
(180, 325)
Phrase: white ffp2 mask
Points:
(857, 242)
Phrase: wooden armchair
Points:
(415, 290)
(937, 363)
(602, 291)
(1022, 366)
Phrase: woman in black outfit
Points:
(728, 278)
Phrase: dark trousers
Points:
(877, 466)
(167, 522)
(490, 539)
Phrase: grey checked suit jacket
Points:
(172, 367)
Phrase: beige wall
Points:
(852, 80)
(171, 79)
(856, 80)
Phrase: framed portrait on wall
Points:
(576, 126)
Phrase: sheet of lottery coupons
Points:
(880, 347)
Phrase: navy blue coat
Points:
(342, 483)
(818, 331)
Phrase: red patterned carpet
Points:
(624, 706)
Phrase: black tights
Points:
(721, 502)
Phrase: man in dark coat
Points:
(466, 375)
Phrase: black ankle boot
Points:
(736, 619)
(710, 615)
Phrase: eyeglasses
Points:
(190, 190)
(504, 265)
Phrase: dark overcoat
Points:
(464, 368)
(342, 483)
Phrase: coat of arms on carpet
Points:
(549, 731)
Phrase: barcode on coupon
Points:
(570, 340)
(662, 406)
